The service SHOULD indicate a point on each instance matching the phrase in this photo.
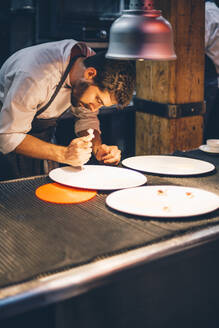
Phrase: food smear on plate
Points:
(189, 194)
(161, 192)
(166, 208)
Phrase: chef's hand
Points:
(79, 151)
(108, 154)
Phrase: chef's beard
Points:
(77, 92)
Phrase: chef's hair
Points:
(116, 76)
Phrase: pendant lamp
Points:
(141, 33)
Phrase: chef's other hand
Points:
(108, 154)
(79, 151)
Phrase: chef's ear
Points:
(90, 73)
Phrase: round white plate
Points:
(206, 149)
(163, 201)
(169, 165)
(100, 177)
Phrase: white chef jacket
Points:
(27, 81)
(212, 33)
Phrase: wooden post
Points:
(174, 84)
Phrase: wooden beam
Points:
(174, 82)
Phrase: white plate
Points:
(206, 149)
(170, 165)
(163, 201)
(100, 177)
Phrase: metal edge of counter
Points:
(60, 286)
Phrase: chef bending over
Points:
(40, 84)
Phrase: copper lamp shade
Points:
(141, 34)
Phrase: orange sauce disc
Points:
(57, 193)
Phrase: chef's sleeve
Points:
(21, 97)
(85, 120)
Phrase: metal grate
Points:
(39, 238)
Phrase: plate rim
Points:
(165, 214)
(211, 165)
(201, 147)
(143, 176)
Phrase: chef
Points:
(211, 117)
(41, 84)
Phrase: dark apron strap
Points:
(71, 63)
(19, 166)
